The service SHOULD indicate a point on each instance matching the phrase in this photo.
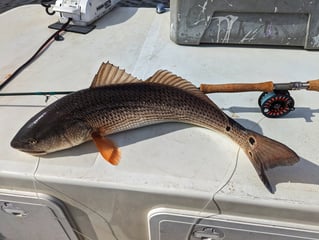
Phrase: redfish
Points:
(117, 101)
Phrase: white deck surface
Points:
(172, 159)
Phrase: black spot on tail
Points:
(252, 140)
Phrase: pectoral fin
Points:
(107, 148)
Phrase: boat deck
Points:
(170, 165)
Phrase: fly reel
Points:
(276, 104)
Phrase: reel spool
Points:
(276, 104)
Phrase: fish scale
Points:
(138, 105)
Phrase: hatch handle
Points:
(11, 209)
(208, 233)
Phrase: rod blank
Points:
(35, 93)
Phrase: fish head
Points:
(49, 132)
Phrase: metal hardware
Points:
(208, 233)
(11, 209)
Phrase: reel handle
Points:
(239, 87)
(313, 85)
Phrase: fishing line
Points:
(47, 185)
(219, 210)
(36, 54)
(35, 181)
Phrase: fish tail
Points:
(266, 153)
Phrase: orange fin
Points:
(107, 148)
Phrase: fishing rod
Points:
(274, 102)
(46, 94)
(36, 93)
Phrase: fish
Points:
(116, 101)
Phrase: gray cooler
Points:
(271, 22)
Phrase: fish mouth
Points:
(21, 147)
(33, 152)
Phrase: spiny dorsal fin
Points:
(109, 74)
(167, 78)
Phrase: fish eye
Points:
(32, 141)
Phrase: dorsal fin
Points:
(167, 78)
(109, 74)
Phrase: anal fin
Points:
(107, 148)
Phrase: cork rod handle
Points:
(238, 87)
(313, 85)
